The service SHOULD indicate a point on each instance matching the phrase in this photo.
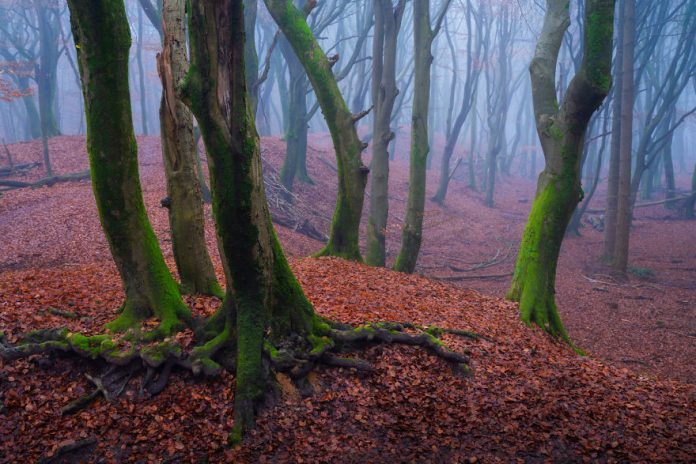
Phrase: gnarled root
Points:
(296, 360)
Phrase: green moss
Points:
(270, 350)
(157, 353)
(642, 272)
(91, 347)
(319, 344)
(533, 284)
(235, 436)
(599, 32)
(556, 132)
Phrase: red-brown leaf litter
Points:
(530, 398)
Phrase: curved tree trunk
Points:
(102, 39)
(186, 218)
(562, 134)
(352, 174)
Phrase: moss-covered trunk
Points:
(102, 39)
(412, 232)
(264, 303)
(186, 218)
(534, 281)
(352, 174)
(561, 129)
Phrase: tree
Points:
(423, 36)
(384, 92)
(180, 153)
(561, 130)
(474, 45)
(352, 174)
(499, 87)
(623, 204)
(102, 39)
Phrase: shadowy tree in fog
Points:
(499, 86)
(561, 129)
(657, 57)
(31, 32)
(474, 56)
(423, 35)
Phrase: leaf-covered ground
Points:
(530, 399)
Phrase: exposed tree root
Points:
(294, 356)
(46, 181)
(64, 450)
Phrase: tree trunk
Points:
(384, 92)
(352, 174)
(412, 232)
(180, 153)
(613, 176)
(102, 39)
(296, 126)
(47, 68)
(624, 211)
(263, 297)
(670, 184)
(33, 122)
(562, 133)
(691, 202)
(141, 74)
(251, 58)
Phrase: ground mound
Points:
(530, 399)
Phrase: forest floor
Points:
(530, 399)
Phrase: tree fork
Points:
(561, 130)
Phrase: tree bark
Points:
(613, 176)
(180, 153)
(384, 93)
(352, 174)
(562, 133)
(102, 39)
(624, 211)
